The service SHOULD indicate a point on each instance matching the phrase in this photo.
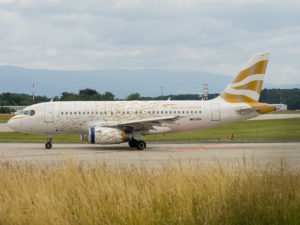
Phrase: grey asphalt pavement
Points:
(156, 154)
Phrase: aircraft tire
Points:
(48, 145)
(132, 143)
(141, 145)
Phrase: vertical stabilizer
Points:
(246, 86)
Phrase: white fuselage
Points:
(78, 117)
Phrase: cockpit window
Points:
(26, 112)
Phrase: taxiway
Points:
(156, 153)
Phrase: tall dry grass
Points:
(72, 193)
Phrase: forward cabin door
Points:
(215, 111)
(48, 113)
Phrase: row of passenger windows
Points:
(129, 112)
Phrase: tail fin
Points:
(246, 86)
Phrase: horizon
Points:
(120, 82)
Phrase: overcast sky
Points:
(200, 35)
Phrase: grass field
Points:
(281, 129)
(286, 112)
(251, 130)
(70, 193)
(37, 138)
(5, 117)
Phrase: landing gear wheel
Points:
(132, 143)
(48, 145)
(141, 145)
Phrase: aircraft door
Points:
(215, 111)
(48, 113)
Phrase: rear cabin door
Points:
(215, 111)
(48, 113)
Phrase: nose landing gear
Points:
(48, 145)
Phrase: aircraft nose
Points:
(12, 123)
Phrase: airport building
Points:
(16, 107)
(280, 107)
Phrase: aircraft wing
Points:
(145, 124)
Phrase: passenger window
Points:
(32, 112)
(62, 113)
(79, 113)
(127, 112)
(74, 113)
(83, 113)
(66, 113)
(70, 113)
(88, 113)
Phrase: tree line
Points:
(291, 97)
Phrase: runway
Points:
(156, 154)
(5, 128)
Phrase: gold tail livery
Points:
(112, 122)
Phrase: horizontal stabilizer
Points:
(256, 109)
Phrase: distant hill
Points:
(291, 97)
(120, 82)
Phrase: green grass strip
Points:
(279, 129)
(251, 130)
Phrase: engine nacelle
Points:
(106, 135)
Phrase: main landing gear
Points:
(140, 145)
(48, 145)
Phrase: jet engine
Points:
(107, 135)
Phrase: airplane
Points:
(114, 122)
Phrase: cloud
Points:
(202, 35)
(51, 52)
